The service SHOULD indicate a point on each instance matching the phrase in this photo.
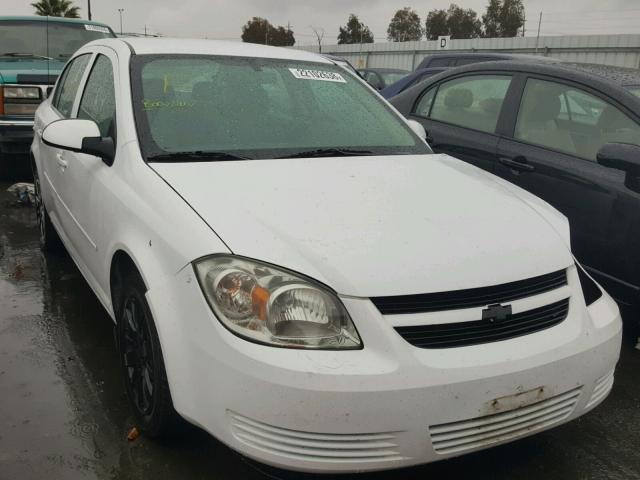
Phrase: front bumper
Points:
(15, 137)
(389, 405)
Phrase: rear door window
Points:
(68, 84)
(472, 102)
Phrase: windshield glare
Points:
(260, 108)
(635, 89)
(30, 38)
(392, 77)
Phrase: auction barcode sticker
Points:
(96, 28)
(305, 74)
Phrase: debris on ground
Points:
(25, 192)
(133, 434)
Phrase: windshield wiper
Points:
(25, 55)
(329, 152)
(196, 156)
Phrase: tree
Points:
(355, 32)
(491, 19)
(319, 33)
(260, 30)
(436, 24)
(463, 23)
(405, 26)
(503, 18)
(56, 8)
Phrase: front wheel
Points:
(142, 362)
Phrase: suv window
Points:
(68, 85)
(98, 100)
(564, 118)
(471, 102)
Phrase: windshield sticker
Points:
(155, 104)
(304, 74)
(96, 28)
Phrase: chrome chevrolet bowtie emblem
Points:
(496, 313)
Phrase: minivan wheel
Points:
(142, 362)
(49, 238)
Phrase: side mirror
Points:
(80, 136)
(418, 129)
(622, 156)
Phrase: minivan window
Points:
(472, 102)
(68, 84)
(570, 120)
(260, 108)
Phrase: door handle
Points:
(61, 161)
(518, 163)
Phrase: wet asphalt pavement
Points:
(64, 414)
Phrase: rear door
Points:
(461, 116)
(54, 160)
(557, 131)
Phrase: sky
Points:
(223, 19)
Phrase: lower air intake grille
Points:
(471, 297)
(480, 432)
(315, 447)
(449, 335)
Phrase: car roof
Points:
(168, 46)
(605, 80)
(576, 71)
(384, 70)
(38, 18)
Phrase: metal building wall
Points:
(618, 50)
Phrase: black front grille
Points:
(463, 334)
(471, 297)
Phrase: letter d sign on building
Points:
(443, 42)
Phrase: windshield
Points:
(392, 77)
(635, 89)
(29, 39)
(250, 108)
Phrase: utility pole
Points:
(538, 37)
(89, 9)
(266, 33)
(120, 10)
(145, 30)
(524, 23)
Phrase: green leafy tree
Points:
(56, 8)
(405, 26)
(354, 32)
(260, 30)
(491, 19)
(463, 23)
(436, 24)
(503, 18)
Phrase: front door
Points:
(552, 154)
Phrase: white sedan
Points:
(291, 268)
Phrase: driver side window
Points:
(98, 100)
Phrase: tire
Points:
(49, 238)
(142, 363)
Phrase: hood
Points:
(10, 68)
(373, 226)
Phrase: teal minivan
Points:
(33, 52)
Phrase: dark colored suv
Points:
(568, 133)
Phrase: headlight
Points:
(30, 93)
(273, 306)
(19, 100)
